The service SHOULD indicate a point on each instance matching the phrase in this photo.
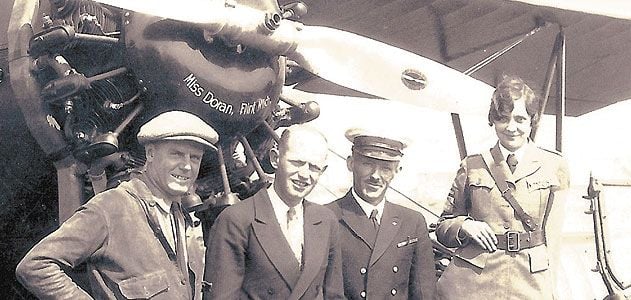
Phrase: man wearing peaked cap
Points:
(135, 238)
(386, 250)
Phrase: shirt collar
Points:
(367, 207)
(519, 154)
(280, 207)
(148, 191)
(164, 204)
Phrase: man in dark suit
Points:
(386, 250)
(277, 245)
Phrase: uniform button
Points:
(362, 294)
(393, 292)
(506, 225)
(362, 270)
(183, 281)
(395, 269)
(270, 291)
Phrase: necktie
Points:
(511, 160)
(373, 219)
(293, 230)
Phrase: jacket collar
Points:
(367, 207)
(137, 188)
(527, 165)
(268, 233)
(315, 251)
(356, 220)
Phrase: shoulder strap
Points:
(155, 227)
(507, 192)
(547, 211)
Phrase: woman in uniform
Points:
(505, 209)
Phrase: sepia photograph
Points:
(315, 149)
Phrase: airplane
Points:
(81, 136)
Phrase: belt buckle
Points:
(512, 241)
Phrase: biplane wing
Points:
(460, 34)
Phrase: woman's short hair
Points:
(509, 90)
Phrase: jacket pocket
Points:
(480, 179)
(539, 183)
(473, 255)
(538, 259)
(144, 287)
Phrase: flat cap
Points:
(179, 126)
(375, 144)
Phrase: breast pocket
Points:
(540, 187)
(144, 287)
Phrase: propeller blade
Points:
(344, 58)
(236, 23)
(385, 71)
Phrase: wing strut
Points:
(455, 118)
(556, 70)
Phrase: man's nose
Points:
(375, 173)
(186, 163)
(304, 171)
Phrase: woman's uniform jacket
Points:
(248, 257)
(540, 180)
(397, 264)
(125, 258)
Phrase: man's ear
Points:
(349, 163)
(274, 157)
(149, 152)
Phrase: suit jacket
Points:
(248, 256)
(540, 180)
(399, 264)
(124, 255)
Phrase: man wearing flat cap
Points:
(135, 238)
(386, 250)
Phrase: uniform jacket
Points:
(125, 259)
(248, 256)
(540, 180)
(398, 265)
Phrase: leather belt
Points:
(514, 241)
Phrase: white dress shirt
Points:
(294, 229)
(367, 207)
(519, 154)
(165, 218)
(167, 224)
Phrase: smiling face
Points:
(299, 162)
(513, 128)
(173, 166)
(371, 177)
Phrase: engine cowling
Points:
(231, 87)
